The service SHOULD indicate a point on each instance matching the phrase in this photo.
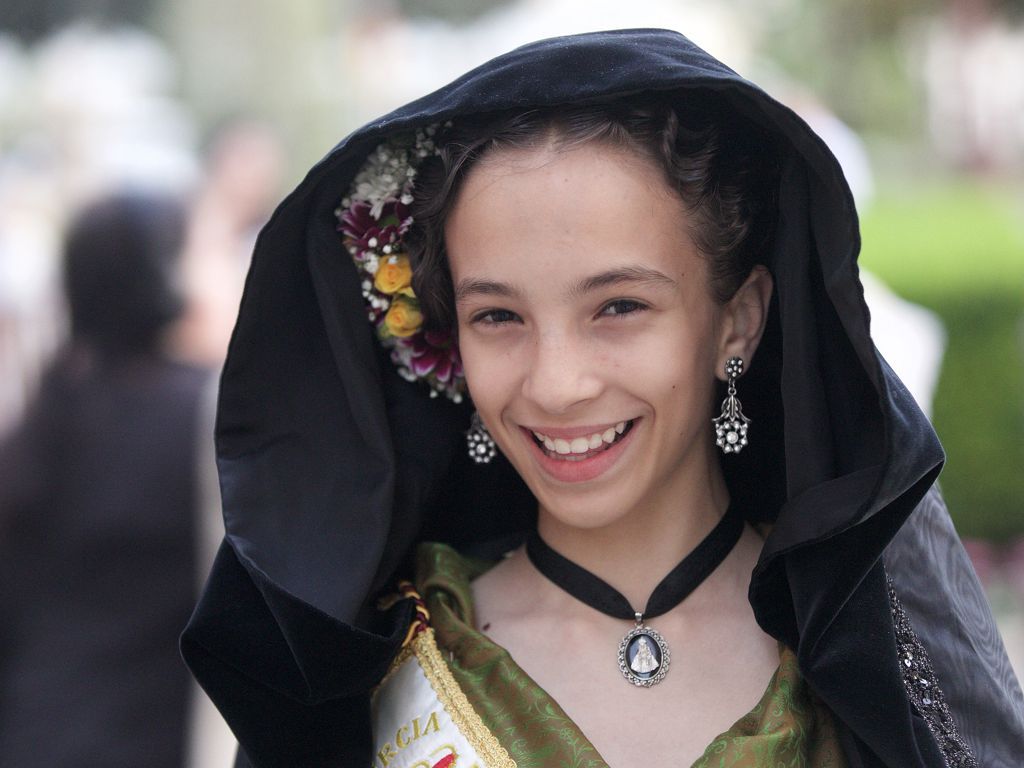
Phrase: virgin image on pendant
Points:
(644, 657)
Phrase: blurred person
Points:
(84, 109)
(98, 496)
(241, 180)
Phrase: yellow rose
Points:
(403, 319)
(393, 275)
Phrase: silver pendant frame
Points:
(666, 657)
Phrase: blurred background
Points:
(177, 125)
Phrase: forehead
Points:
(556, 214)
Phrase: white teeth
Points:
(549, 444)
(581, 445)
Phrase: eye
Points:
(495, 317)
(620, 307)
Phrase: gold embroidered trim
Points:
(454, 700)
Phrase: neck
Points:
(634, 553)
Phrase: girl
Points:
(628, 277)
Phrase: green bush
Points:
(958, 249)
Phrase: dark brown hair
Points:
(722, 167)
(121, 257)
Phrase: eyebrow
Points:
(471, 287)
(627, 274)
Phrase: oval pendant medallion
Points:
(644, 657)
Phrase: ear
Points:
(743, 319)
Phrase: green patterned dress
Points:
(788, 727)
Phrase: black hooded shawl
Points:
(332, 466)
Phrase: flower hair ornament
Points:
(373, 219)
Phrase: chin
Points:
(588, 512)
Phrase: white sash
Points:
(422, 719)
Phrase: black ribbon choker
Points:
(643, 653)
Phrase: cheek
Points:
(489, 375)
(675, 369)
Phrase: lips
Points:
(565, 454)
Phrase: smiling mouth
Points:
(581, 448)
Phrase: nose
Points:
(564, 372)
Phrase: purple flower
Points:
(365, 233)
(435, 354)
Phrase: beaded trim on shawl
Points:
(923, 689)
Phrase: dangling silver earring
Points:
(731, 426)
(479, 441)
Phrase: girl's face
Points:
(587, 329)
